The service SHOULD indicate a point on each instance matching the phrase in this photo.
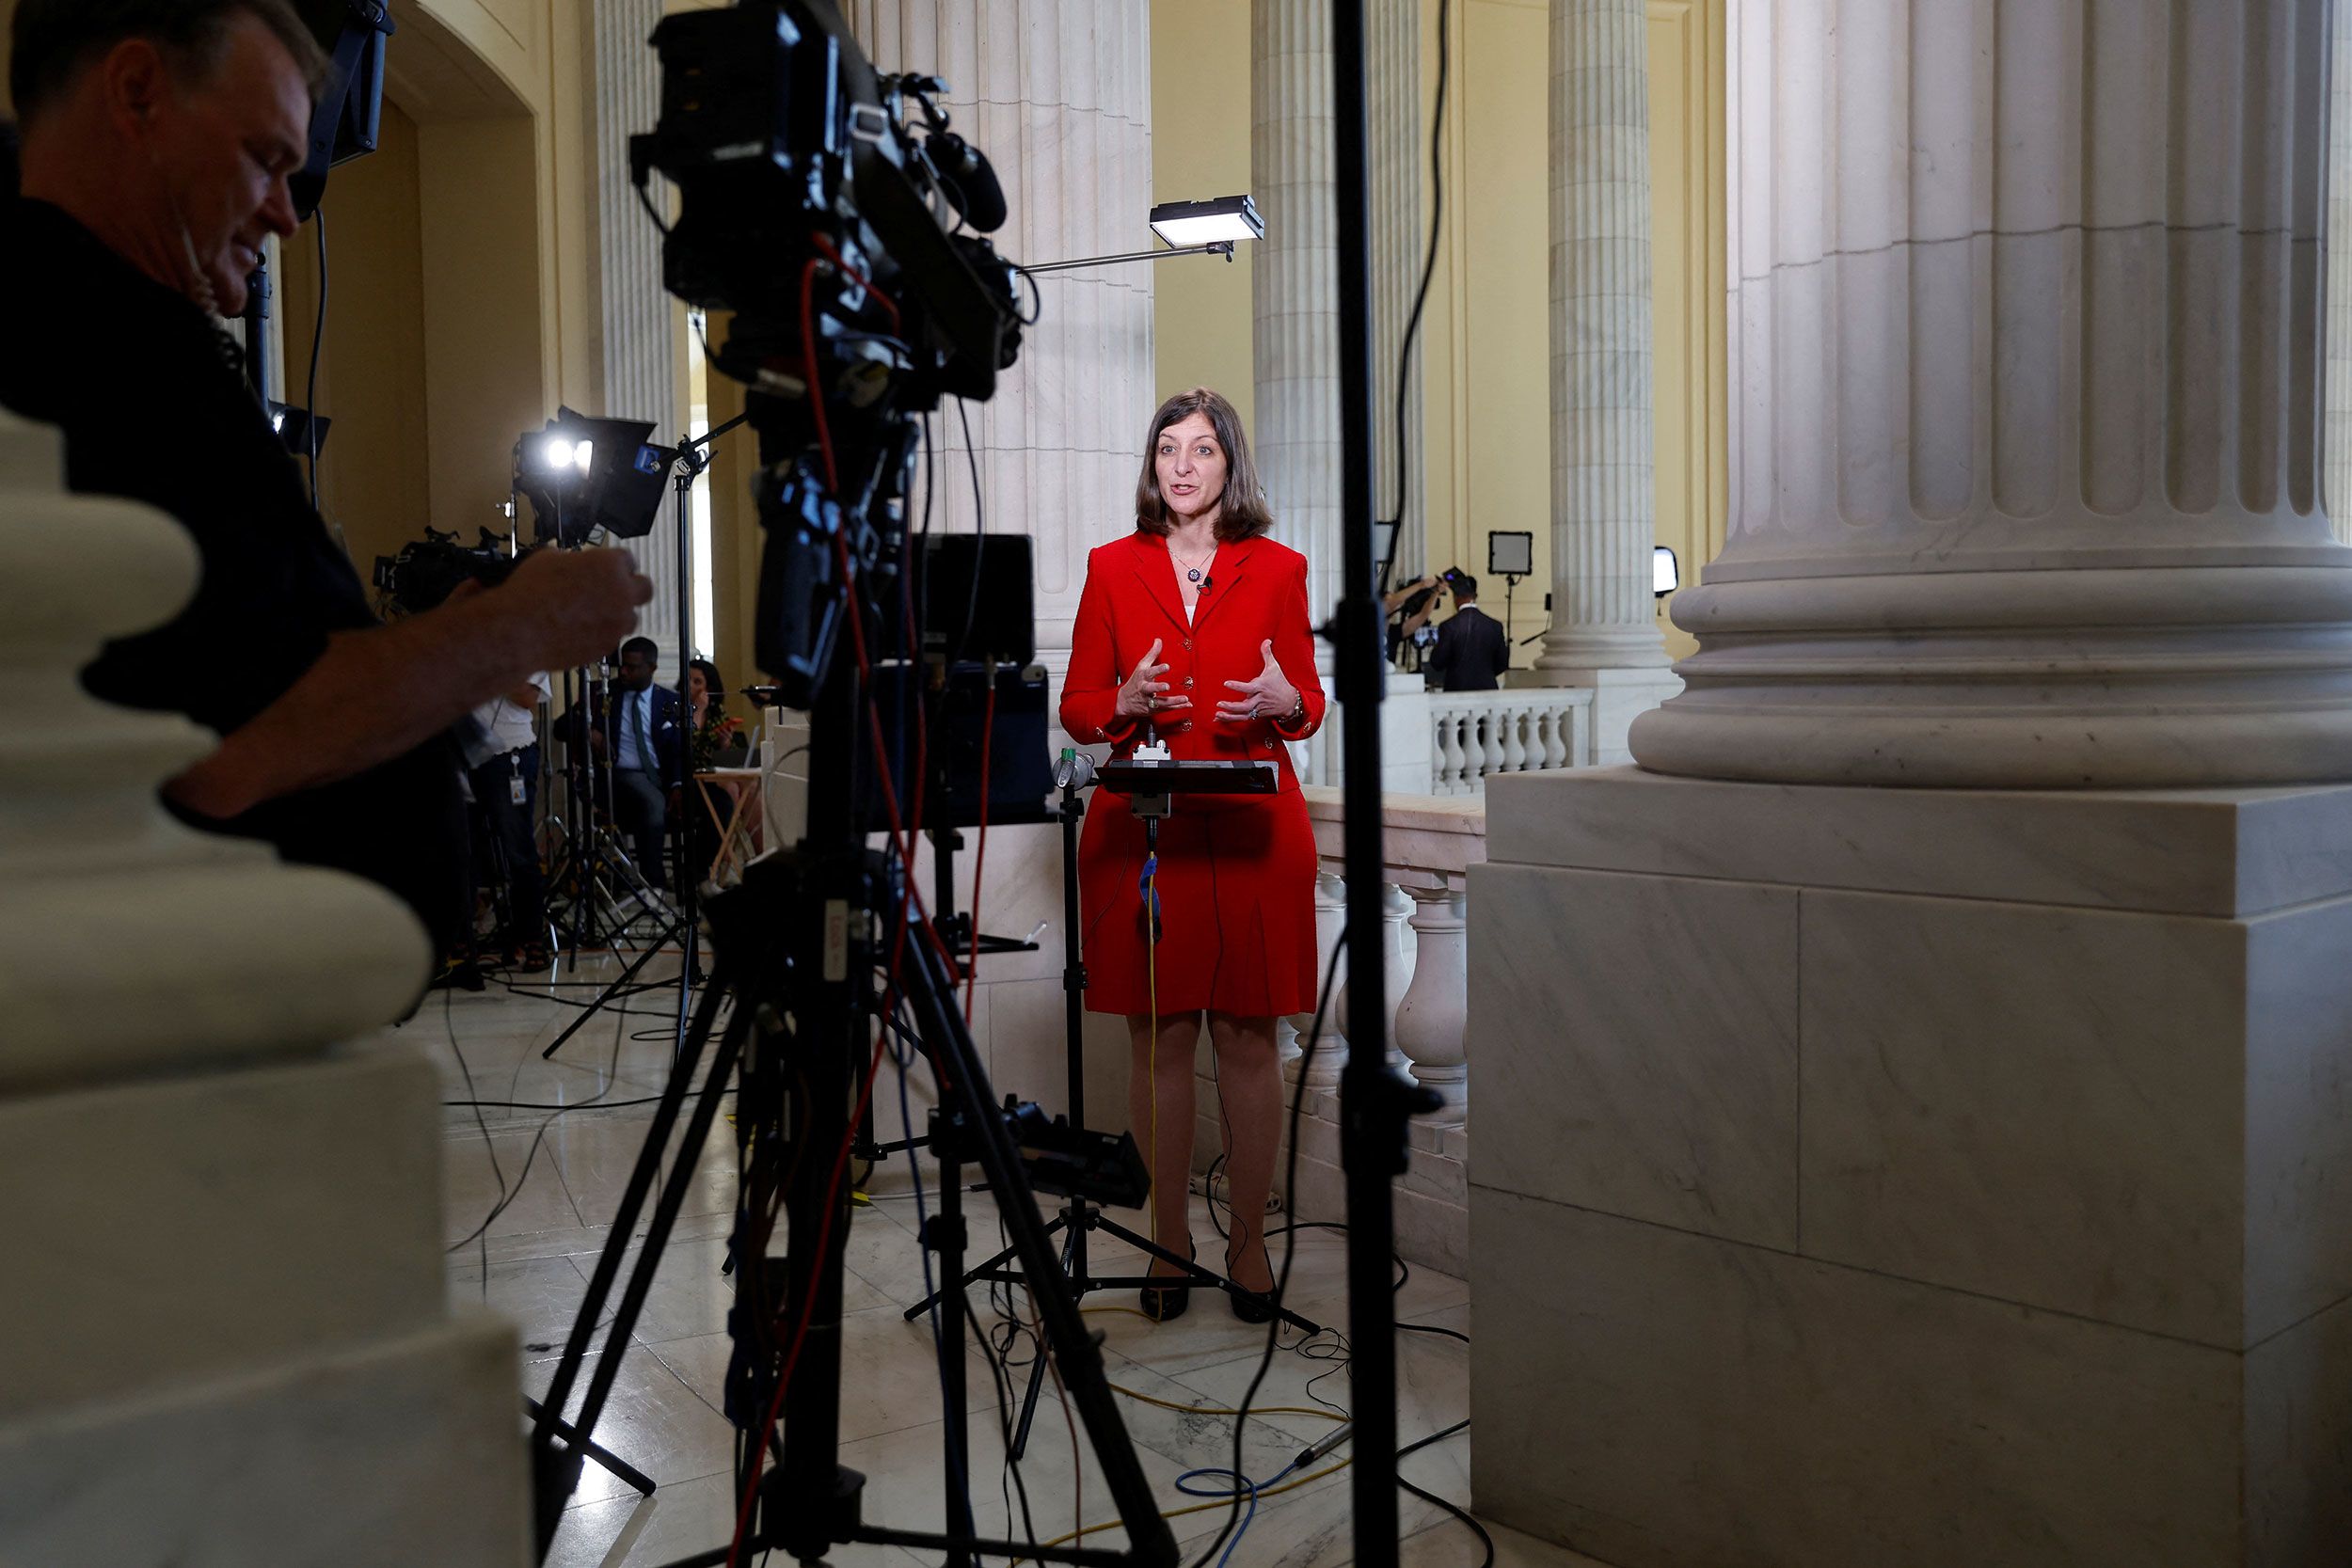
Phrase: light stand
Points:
(688, 460)
(1375, 1102)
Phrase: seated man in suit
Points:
(1472, 650)
(637, 733)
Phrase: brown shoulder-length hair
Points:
(1242, 512)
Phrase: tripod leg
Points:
(613, 1464)
(1073, 1251)
(610, 991)
(976, 1272)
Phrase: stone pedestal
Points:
(223, 1304)
(1913, 1176)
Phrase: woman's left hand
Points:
(1268, 695)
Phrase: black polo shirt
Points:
(154, 407)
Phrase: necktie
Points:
(639, 701)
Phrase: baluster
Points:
(1330, 1047)
(1449, 756)
(1474, 749)
(1514, 752)
(1432, 1022)
(1556, 737)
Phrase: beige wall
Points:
(375, 474)
(1485, 341)
(1200, 325)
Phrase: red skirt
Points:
(1237, 889)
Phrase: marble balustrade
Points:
(1475, 734)
(1430, 845)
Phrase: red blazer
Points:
(1257, 590)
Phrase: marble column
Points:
(1400, 157)
(636, 347)
(1942, 1175)
(1604, 624)
(2024, 445)
(224, 1294)
(1295, 305)
(1057, 94)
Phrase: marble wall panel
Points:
(1705, 1403)
(2038, 1104)
(2298, 1115)
(1636, 1046)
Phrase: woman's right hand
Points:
(1139, 696)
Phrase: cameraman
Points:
(157, 140)
(1472, 650)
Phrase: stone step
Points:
(163, 1230)
(403, 1453)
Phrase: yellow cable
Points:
(1220, 1410)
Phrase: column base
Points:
(2156, 676)
(1913, 1176)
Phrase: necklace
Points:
(1192, 572)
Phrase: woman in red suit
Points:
(1194, 629)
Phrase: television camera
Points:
(425, 573)
(837, 239)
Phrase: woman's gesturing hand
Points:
(1268, 694)
(1140, 697)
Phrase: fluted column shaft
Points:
(2026, 446)
(1603, 512)
(1295, 284)
(1057, 93)
(636, 344)
(1399, 158)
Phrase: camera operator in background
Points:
(157, 137)
(502, 771)
(1472, 650)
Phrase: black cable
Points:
(979, 535)
(1428, 271)
(489, 1145)
(1484, 1540)
(1289, 1252)
(531, 1154)
(318, 335)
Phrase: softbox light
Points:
(582, 474)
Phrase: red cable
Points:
(808, 1305)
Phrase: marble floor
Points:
(528, 1200)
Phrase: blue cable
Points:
(1244, 1485)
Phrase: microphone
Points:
(1207, 583)
(972, 188)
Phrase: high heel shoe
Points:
(1162, 1302)
(1255, 1308)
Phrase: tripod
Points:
(800, 970)
(1079, 1216)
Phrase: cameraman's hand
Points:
(577, 603)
